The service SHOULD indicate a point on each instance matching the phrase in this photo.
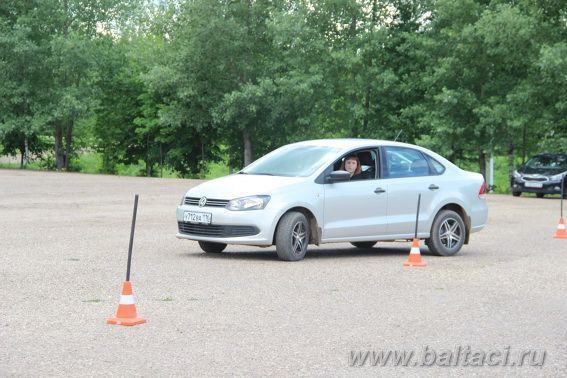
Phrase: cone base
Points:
(126, 321)
(416, 264)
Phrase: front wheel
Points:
(292, 236)
(211, 247)
(447, 234)
(539, 195)
(516, 194)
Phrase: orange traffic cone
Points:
(414, 258)
(126, 314)
(561, 232)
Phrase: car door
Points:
(356, 209)
(408, 173)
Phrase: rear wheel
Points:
(364, 245)
(211, 247)
(292, 236)
(539, 195)
(516, 194)
(448, 234)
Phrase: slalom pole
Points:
(417, 214)
(561, 231)
(562, 193)
(132, 237)
(414, 258)
(127, 314)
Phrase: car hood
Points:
(241, 185)
(541, 171)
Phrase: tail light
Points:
(482, 191)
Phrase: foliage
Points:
(183, 86)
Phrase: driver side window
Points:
(368, 164)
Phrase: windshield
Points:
(548, 161)
(292, 161)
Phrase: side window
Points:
(368, 164)
(405, 162)
(437, 167)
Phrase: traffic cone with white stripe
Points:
(560, 232)
(126, 314)
(414, 258)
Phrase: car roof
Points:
(348, 143)
(551, 154)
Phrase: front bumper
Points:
(254, 227)
(547, 187)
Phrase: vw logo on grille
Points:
(202, 201)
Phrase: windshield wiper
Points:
(262, 174)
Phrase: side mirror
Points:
(338, 176)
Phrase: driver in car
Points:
(351, 164)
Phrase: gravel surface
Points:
(63, 251)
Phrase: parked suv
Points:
(542, 175)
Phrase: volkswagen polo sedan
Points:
(302, 194)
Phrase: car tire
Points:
(292, 236)
(364, 245)
(539, 195)
(448, 234)
(516, 194)
(211, 247)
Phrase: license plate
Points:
(529, 184)
(196, 217)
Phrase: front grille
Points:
(215, 230)
(538, 179)
(211, 202)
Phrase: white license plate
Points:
(529, 184)
(196, 217)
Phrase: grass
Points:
(216, 170)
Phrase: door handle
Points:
(433, 187)
(379, 190)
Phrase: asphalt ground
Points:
(63, 252)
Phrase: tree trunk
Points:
(366, 111)
(26, 157)
(69, 143)
(524, 137)
(482, 163)
(160, 160)
(247, 147)
(59, 157)
(148, 158)
(510, 158)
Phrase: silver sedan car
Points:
(337, 190)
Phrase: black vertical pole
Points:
(417, 216)
(132, 237)
(562, 193)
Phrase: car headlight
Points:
(182, 200)
(517, 175)
(248, 203)
(557, 177)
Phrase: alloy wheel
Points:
(450, 233)
(299, 238)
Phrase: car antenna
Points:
(399, 132)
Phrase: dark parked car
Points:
(542, 175)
